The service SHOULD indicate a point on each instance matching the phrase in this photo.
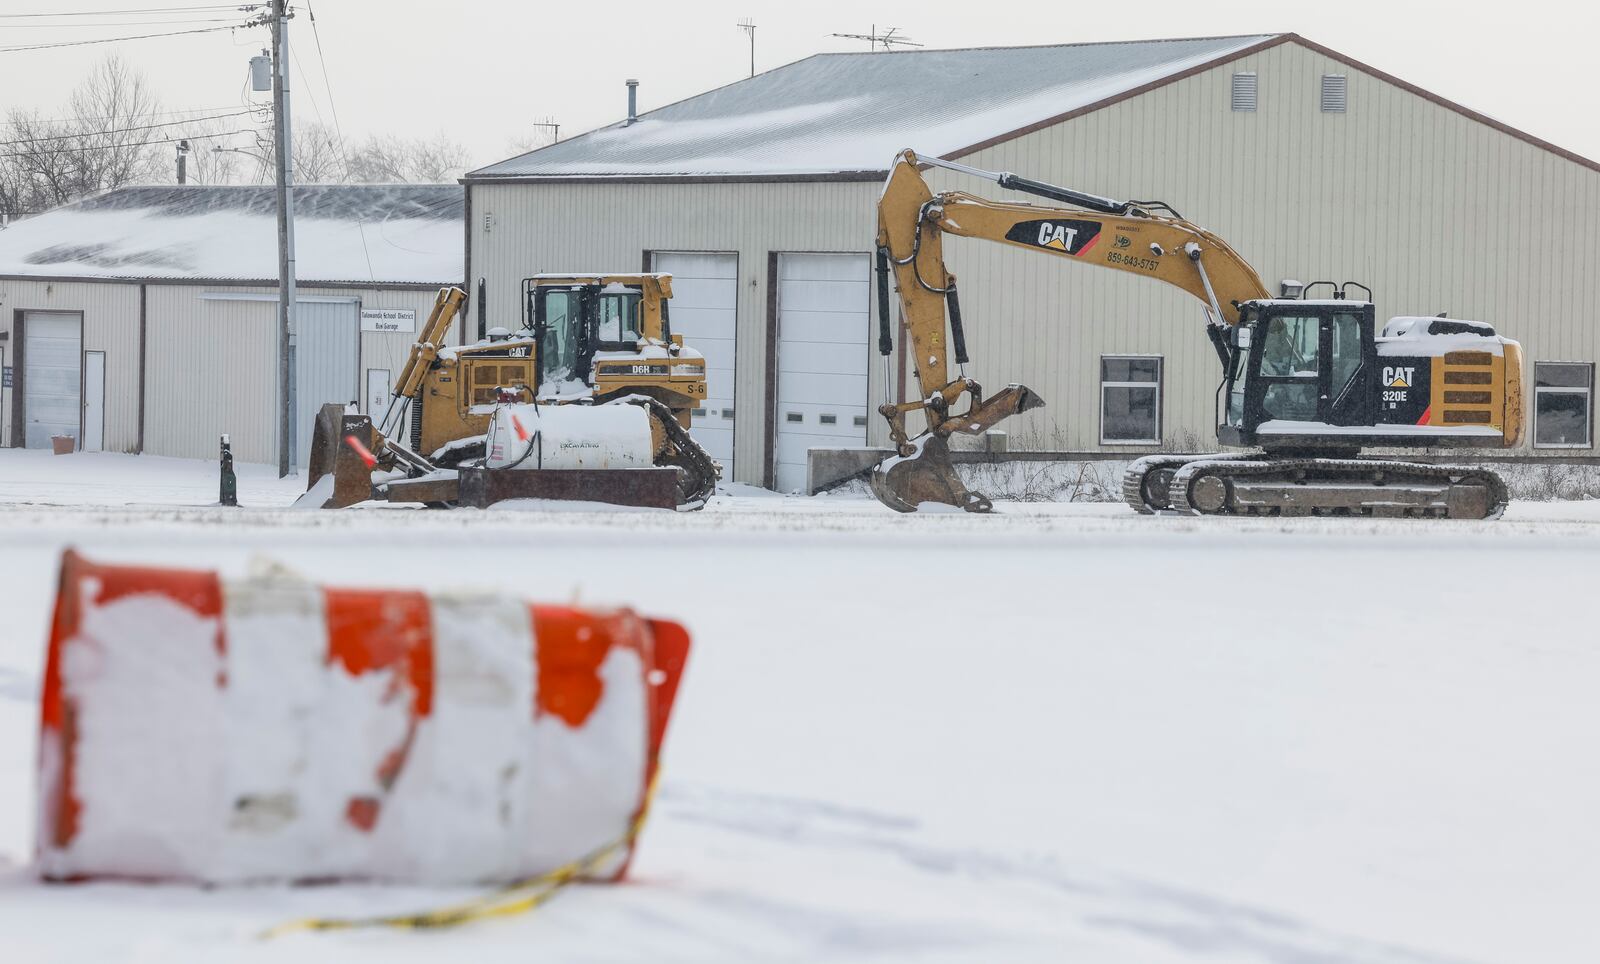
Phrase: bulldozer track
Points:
(1327, 486)
(699, 471)
(1133, 478)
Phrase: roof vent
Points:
(633, 102)
(1335, 93)
(1244, 91)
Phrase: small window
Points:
(796, 417)
(698, 412)
(1244, 91)
(1563, 417)
(1130, 400)
(860, 421)
(828, 419)
(1334, 93)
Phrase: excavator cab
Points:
(1298, 363)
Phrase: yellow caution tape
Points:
(518, 897)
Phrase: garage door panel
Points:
(52, 354)
(824, 295)
(800, 387)
(695, 264)
(698, 294)
(820, 358)
(704, 310)
(838, 327)
(825, 267)
(824, 317)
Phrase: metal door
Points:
(377, 401)
(705, 300)
(51, 358)
(326, 365)
(824, 319)
(94, 401)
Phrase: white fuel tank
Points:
(569, 437)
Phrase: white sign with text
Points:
(389, 319)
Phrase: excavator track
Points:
(1379, 488)
(1146, 481)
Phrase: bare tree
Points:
(390, 159)
(317, 156)
(103, 142)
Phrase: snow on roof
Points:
(833, 113)
(348, 233)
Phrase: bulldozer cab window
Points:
(619, 317)
(1290, 361)
(560, 314)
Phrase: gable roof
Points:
(348, 233)
(843, 113)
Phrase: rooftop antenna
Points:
(749, 27)
(549, 124)
(888, 40)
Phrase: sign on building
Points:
(5, 377)
(389, 319)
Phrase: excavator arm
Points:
(1144, 238)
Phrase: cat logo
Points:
(1057, 236)
(1399, 377)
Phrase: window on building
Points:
(1244, 91)
(1130, 400)
(1563, 413)
(1335, 90)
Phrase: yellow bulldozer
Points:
(590, 399)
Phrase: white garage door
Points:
(51, 354)
(705, 300)
(824, 317)
(325, 346)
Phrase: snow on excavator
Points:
(1307, 383)
(590, 400)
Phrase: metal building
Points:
(759, 198)
(145, 319)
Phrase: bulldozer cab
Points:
(576, 318)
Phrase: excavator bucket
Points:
(209, 729)
(904, 483)
(331, 455)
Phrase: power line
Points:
(344, 152)
(123, 130)
(110, 147)
(119, 23)
(112, 40)
(208, 8)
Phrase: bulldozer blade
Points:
(995, 409)
(655, 488)
(352, 477)
(904, 483)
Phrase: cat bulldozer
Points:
(1306, 384)
(590, 400)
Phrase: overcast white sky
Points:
(483, 69)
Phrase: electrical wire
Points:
(338, 129)
(122, 130)
(119, 23)
(113, 40)
(208, 8)
(169, 140)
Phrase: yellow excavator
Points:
(590, 400)
(1305, 383)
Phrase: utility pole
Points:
(183, 158)
(284, 141)
(749, 27)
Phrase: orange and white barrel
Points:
(222, 731)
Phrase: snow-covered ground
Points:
(1060, 733)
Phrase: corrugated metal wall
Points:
(213, 364)
(104, 308)
(1435, 211)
